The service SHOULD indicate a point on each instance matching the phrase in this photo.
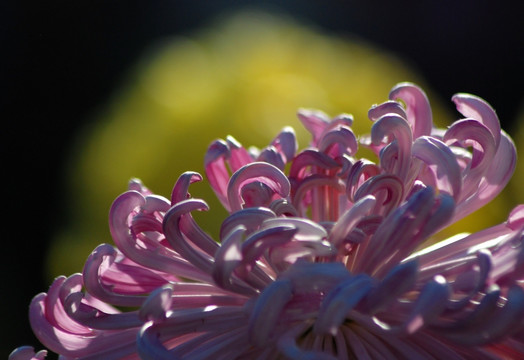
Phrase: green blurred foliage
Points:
(245, 75)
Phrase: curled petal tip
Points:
(472, 106)
(27, 353)
(263, 173)
(157, 304)
(417, 107)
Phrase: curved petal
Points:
(388, 107)
(99, 260)
(417, 107)
(228, 258)
(260, 241)
(309, 241)
(387, 189)
(271, 155)
(178, 239)
(264, 173)
(307, 230)
(112, 345)
(150, 347)
(310, 158)
(216, 170)
(516, 218)
(249, 218)
(137, 185)
(286, 144)
(181, 189)
(238, 155)
(472, 106)
(27, 353)
(468, 132)
(267, 310)
(495, 178)
(361, 171)
(429, 304)
(157, 304)
(396, 128)
(347, 222)
(437, 156)
(148, 252)
(470, 282)
(339, 301)
(321, 208)
(498, 323)
(342, 119)
(94, 318)
(314, 121)
(282, 207)
(338, 141)
(401, 232)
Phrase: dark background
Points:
(61, 61)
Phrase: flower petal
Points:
(387, 107)
(179, 239)
(264, 173)
(396, 128)
(438, 157)
(417, 107)
(267, 310)
(27, 353)
(474, 107)
(216, 170)
(314, 121)
(339, 301)
(148, 252)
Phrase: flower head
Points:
(320, 256)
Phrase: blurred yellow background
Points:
(245, 75)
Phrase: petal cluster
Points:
(320, 256)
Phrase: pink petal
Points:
(417, 107)
(179, 240)
(474, 107)
(238, 155)
(394, 127)
(387, 190)
(286, 144)
(216, 170)
(338, 141)
(148, 252)
(249, 218)
(388, 107)
(262, 172)
(157, 304)
(27, 353)
(314, 121)
(180, 190)
(442, 162)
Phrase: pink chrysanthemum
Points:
(318, 258)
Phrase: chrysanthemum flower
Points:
(320, 257)
(241, 74)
